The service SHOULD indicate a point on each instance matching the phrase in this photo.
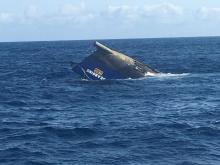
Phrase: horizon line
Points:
(101, 39)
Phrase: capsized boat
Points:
(105, 63)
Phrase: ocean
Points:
(49, 116)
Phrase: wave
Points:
(71, 132)
(162, 76)
(166, 75)
(8, 73)
(171, 74)
(15, 103)
(147, 76)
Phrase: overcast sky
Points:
(34, 20)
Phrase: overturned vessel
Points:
(106, 63)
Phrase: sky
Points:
(45, 20)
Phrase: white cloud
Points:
(129, 12)
(73, 10)
(32, 12)
(66, 13)
(164, 9)
(206, 13)
(75, 13)
(6, 17)
(80, 13)
(163, 13)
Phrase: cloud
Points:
(76, 13)
(79, 14)
(6, 17)
(164, 9)
(163, 13)
(72, 13)
(32, 12)
(129, 12)
(206, 13)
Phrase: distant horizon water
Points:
(110, 39)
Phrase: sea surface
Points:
(49, 116)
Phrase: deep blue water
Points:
(49, 116)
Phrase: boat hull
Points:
(105, 63)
